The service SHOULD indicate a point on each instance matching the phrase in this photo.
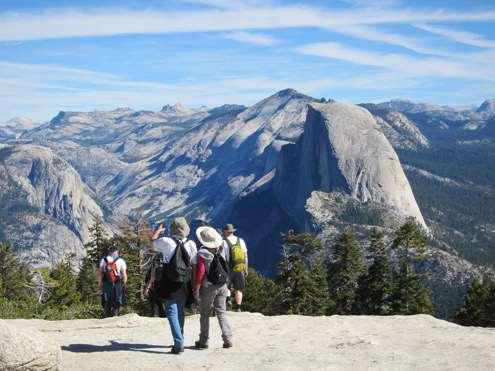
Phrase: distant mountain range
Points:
(289, 161)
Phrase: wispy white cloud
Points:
(460, 36)
(11, 69)
(252, 38)
(229, 4)
(373, 4)
(374, 34)
(40, 91)
(81, 23)
(438, 67)
(39, 88)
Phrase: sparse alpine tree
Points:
(374, 287)
(409, 295)
(344, 272)
(302, 285)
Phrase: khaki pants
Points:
(216, 296)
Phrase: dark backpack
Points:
(218, 273)
(178, 268)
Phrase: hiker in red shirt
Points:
(210, 285)
(112, 278)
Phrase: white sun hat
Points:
(209, 237)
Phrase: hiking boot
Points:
(198, 344)
(175, 350)
(227, 344)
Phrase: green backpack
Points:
(237, 256)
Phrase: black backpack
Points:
(178, 268)
(218, 273)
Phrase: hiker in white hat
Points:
(237, 256)
(211, 274)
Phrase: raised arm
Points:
(158, 232)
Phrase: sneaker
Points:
(238, 309)
(200, 345)
(175, 350)
(227, 344)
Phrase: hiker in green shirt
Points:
(237, 256)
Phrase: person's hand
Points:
(160, 229)
(246, 273)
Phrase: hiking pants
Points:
(176, 315)
(113, 297)
(216, 296)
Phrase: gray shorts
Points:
(238, 279)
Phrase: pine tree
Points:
(136, 243)
(96, 249)
(374, 288)
(410, 296)
(87, 284)
(97, 246)
(64, 292)
(479, 305)
(344, 272)
(301, 279)
(15, 276)
(259, 294)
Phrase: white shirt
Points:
(233, 240)
(120, 263)
(167, 246)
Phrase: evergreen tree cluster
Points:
(307, 285)
(64, 292)
(479, 306)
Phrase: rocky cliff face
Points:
(342, 149)
(487, 108)
(15, 127)
(49, 209)
(400, 131)
(251, 166)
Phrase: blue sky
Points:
(86, 55)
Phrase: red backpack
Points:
(110, 270)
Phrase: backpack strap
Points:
(228, 242)
(182, 245)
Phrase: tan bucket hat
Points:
(209, 237)
(179, 227)
(229, 228)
